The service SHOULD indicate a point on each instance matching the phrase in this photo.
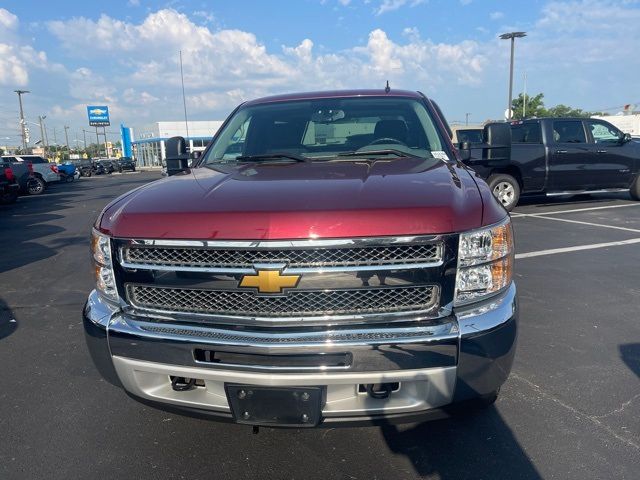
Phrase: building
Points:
(149, 145)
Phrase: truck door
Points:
(612, 164)
(569, 156)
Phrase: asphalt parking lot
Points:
(569, 410)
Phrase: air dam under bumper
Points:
(460, 357)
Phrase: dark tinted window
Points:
(526, 133)
(472, 135)
(568, 131)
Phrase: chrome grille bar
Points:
(304, 254)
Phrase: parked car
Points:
(342, 267)
(9, 186)
(105, 166)
(85, 167)
(126, 163)
(44, 172)
(67, 171)
(563, 156)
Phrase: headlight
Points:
(103, 267)
(485, 263)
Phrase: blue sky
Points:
(125, 54)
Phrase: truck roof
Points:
(335, 94)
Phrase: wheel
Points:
(8, 197)
(506, 189)
(635, 188)
(88, 174)
(36, 186)
(68, 178)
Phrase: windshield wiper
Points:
(272, 156)
(386, 151)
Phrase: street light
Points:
(23, 130)
(511, 36)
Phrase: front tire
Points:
(635, 188)
(36, 186)
(506, 189)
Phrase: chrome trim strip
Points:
(266, 368)
(355, 337)
(276, 266)
(581, 192)
(302, 244)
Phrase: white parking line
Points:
(626, 229)
(577, 248)
(574, 210)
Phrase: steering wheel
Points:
(395, 141)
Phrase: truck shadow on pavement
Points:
(630, 354)
(473, 445)
(8, 324)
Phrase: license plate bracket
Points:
(275, 406)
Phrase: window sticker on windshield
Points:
(440, 155)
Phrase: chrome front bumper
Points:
(437, 363)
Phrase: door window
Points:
(568, 131)
(603, 133)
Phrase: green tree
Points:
(534, 106)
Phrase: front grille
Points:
(293, 258)
(301, 303)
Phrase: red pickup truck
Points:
(327, 260)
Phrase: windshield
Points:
(326, 130)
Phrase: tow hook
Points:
(181, 384)
(381, 391)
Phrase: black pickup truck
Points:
(563, 156)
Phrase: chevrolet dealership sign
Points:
(98, 116)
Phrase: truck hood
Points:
(301, 200)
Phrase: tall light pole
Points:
(66, 136)
(42, 137)
(511, 36)
(23, 127)
(466, 118)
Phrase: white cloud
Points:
(496, 15)
(391, 5)
(8, 20)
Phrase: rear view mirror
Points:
(177, 156)
(464, 148)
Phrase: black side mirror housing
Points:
(177, 155)
(626, 137)
(464, 148)
(497, 137)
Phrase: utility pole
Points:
(511, 36)
(66, 136)
(466, 118)
(84, 134)
(524, 97)
(23, 125)
(46, 135)
(42, 137)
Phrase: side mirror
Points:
(497, 140)
(195, 155)
(626, 138)
(464, 148)
(177, 156)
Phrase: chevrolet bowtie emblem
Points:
(269, 281)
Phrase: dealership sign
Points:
(98, 115)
